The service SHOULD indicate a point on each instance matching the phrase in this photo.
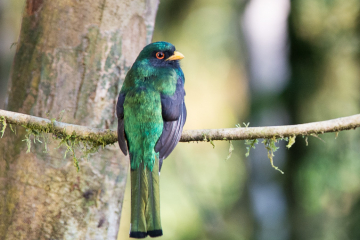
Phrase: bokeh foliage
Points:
(324, 180)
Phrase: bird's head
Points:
(157, 66)
(160, 54)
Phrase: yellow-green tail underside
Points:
(145, 202)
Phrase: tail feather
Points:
(139, 196)
(145, 202)
(153, 205)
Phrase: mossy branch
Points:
(248, 133)
(104, 137)
(70, 136)
(91, 138)
(95, 136)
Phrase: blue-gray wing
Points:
(174, 116)
(121, 130)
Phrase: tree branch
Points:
(94, 135)
(307, 129)
(110, 136)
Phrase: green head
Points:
(156, 67)
(160, 54)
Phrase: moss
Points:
(3, 122)
(251, 144)
(12, 129)
(231, 149)
(73, 142)
(212, 143)
(271, 148)
(205, 139)
(291, 141)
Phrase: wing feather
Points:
(174, 116)
(121, 130)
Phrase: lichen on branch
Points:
(71, 136)
(105, 137)
(96, 136)
(91, 138)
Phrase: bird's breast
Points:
(143, 105)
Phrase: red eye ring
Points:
(160, 55)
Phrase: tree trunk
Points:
(73, 56)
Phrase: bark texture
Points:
(72, 55)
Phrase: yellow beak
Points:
(176, 56)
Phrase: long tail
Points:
(145, 202)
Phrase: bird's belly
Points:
(143, 124)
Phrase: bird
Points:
(151, 115)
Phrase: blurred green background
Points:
(268, 63)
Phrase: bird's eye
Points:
(160, 55)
